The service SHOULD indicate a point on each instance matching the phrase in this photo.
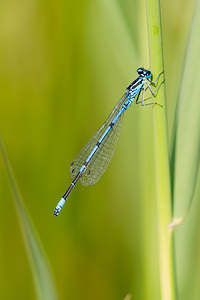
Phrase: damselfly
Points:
(92, 161)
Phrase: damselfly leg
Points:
(152, 92)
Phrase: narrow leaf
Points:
(162, 166)
(116, 26)
(41, 270)
(187, 131)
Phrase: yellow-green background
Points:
(63, 66)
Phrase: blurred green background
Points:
(64, 65)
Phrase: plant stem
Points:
(165, 237)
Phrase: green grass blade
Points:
(167, 277)
(116, 26)
(187, 129)
(41, 270)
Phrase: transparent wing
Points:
(102, 157)
(86, 150)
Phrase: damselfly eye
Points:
(140, 71)
(148, 74)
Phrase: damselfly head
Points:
(145, 73)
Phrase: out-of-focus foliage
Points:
(40, 268)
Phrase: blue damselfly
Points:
(92, 161)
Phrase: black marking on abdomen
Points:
(77, 177)
(111, 124)
(125, 105)
(86, 163)
(68, 191)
